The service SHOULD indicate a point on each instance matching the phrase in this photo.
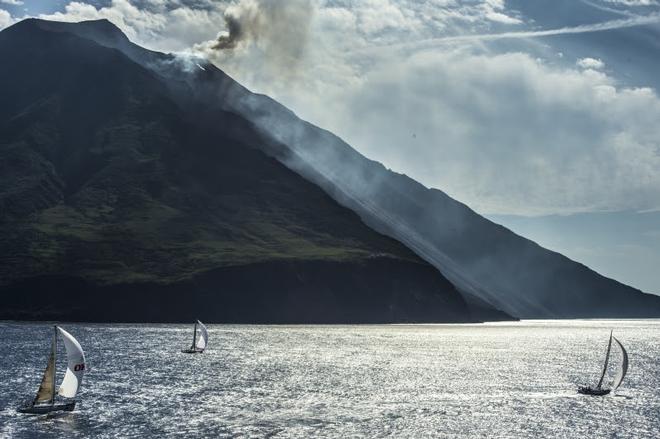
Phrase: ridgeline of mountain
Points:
(124, 198)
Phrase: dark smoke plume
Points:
(229, 41)
(280, 27)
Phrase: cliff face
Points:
(125, 198)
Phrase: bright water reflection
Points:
(495, 380)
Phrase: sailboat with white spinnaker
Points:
(49, 398)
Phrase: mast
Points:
(194, 336)
(607, 358)
(52, 398)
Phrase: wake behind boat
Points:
(599, 390)
(198, 343)
(46, 401)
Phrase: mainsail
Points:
(623, 369)
(192, 346)
(46, 392)
(75, 365)
(204, 336)
(607, 359)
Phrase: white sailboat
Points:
(199, 342)
(599, 390)
(46, 400)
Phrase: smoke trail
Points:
(235, 34)
(280, 26)
(264, 41)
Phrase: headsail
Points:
(203, 339)
(75, 365)
(46, 392)
(623, 369)
(607, 359)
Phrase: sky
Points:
(540, 114)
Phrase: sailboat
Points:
(45, 401)
(198, 343)
(599, 390)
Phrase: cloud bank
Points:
(510, 134)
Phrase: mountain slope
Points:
(480, 257)
(123, 199)
(484, 260)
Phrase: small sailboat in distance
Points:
(599, 390)
(45, 401)
(199, 342)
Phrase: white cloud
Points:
(590, 63)
(160, 27)
(494, 11)
(123, 13)
(508, 134)
(5, 19)
(12, 2)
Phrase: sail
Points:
(192, 346)
(623, 369)
(607, 359)
(46, 392)
(203, 336)
(75, 365)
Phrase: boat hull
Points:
(584, 390)
(192, 351)
(42, 409)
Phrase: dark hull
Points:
(593, 391)
(42, 409)
(192, 351)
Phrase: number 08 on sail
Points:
(46, 400)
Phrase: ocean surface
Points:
(506, 380)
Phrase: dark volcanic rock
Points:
(124, 199)
(377, 290)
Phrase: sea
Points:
(493, 380)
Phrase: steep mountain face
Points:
(484, 260)
(124, 196)
(205, 113)
(487, 262)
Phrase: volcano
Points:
(123, 200)
(141, 186)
